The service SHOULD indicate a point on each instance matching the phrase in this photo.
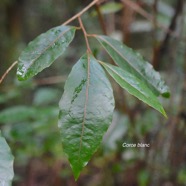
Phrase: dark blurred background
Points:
(29, 110)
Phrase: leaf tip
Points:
(20, 75)
(164, 113)
(20, 78)
(76, 172)
(76, 177)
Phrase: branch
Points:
(148, 16)
(172, 26)
(81, 12)
(163, 48)
(68, 21)
(7, 71)
(85, 34)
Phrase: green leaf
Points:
(133, 62)
(108, 8)
(134, 86)
(17, 114)
(22, 113)
(86, 109)
(43, 51)
(45, 96)
(6, 162)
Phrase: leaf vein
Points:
(127, 61)
(85, 106)
(45, 49)
(128, 83)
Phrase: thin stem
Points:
(81, 12)
(85, 34)
(7, 71)
(148, 16)
(155, 62)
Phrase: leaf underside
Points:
(43, 51)
(134, 86)
(86, 109)
(6, 162)
(133, 62)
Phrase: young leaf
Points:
(134, 86)
(6, 162)
(43, 51)
(132, 62)
(86, 109)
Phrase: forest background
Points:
(29, 110)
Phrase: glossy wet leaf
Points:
(134, 86)
(133, 62)
(86, 109)
(43, 51)
(6, 162)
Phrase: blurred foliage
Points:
(108, 8)
(29, 110)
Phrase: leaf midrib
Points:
(85, 105)
(128, 62)
(130, 84)
(60, 35)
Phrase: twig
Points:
(85, 34)
(7, 71)
(178, 10)
(128, 15)
(81, 12)
(155, 62)
(155, 12)
(68, 21)
(164, 45)
(138, 9)
(148, 16)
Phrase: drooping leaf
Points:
(134, 86)
(6, 163)
(133, 62)
(86, 109)
(44, 50)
